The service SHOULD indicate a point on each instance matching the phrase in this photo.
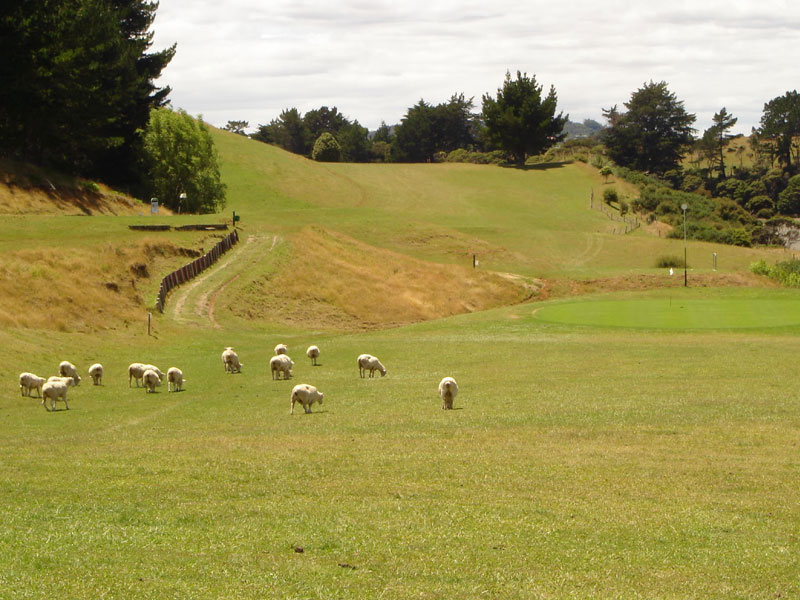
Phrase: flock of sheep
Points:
(55, 388)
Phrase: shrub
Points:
(738, 237)
(786, 272)
(326, 149)
(663, 262)
(90, 186)
(789, 199)
(610, 196)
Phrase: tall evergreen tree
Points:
(780, 128)
(716, 137)
(652, 134)
(78, 82)
(520, 120)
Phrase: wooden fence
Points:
(194, 268)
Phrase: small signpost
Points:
(715, 260)
(235, 218)
(153, 206)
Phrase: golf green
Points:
(676, 313)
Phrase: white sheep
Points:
(230, 360)
(96, 373)
(306, 395)
(371, 363)
(56, 390)
(135, 371)
(281, 364)
(29, 381)
(150, 380)
(313, 354)
(281, 349)
(67, 369)
(174, 379)
(448, 390)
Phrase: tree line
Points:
(520, 121)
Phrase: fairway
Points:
(677, 311)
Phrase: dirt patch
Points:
(641, 282)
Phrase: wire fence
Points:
(628, 223)
(194, 268)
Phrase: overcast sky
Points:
(250, 59)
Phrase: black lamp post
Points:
(685, 277)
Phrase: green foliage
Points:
(77, 82)
(288, 131)
(354, 142)
(786, 272)
(789, 199)
(520, 120)
(610, 196)
(606, 172)
(181, 159)
(663, 262)
(653, 133)
(780, 128)
(380, 151)
(326, 149)
(237, 127)
(495, 157)
(427, 129)
(715, 139)
(322, 120)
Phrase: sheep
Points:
(313, 354)
(448, 390)
(28, 382)
(56, 390)
(230, 360)
(367, 361)
(281, 349)
(150, 380)
(136, 370)
(96, 373)
(175, 379)
(281, 364)
(67, 369)
(306, 395)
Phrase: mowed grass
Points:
(684, 309)
(579, 463)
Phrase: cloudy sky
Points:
(250, 59)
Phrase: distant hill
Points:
(588, 128)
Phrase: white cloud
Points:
(247, 59)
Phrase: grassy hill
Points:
(616, 435)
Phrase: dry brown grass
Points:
(26, 189)
(87, 289)
(334, 281)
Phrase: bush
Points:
(786, 272)
(610, 196)
(663, 262)
(738, 237)
(326, 149)
(495, 157)
(789, 199)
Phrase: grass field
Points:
(631, 442)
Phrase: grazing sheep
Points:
(448, 390)
(367, 361)
(96, 373)
(150, 380)
(306, 395)
(29, 381)
(230, 360)
(281, 349)
(56, 390)
(175, 379)
(135, 371)
(313, 354)
(67, 369)
(281, 364)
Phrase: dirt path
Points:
(205, 303)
